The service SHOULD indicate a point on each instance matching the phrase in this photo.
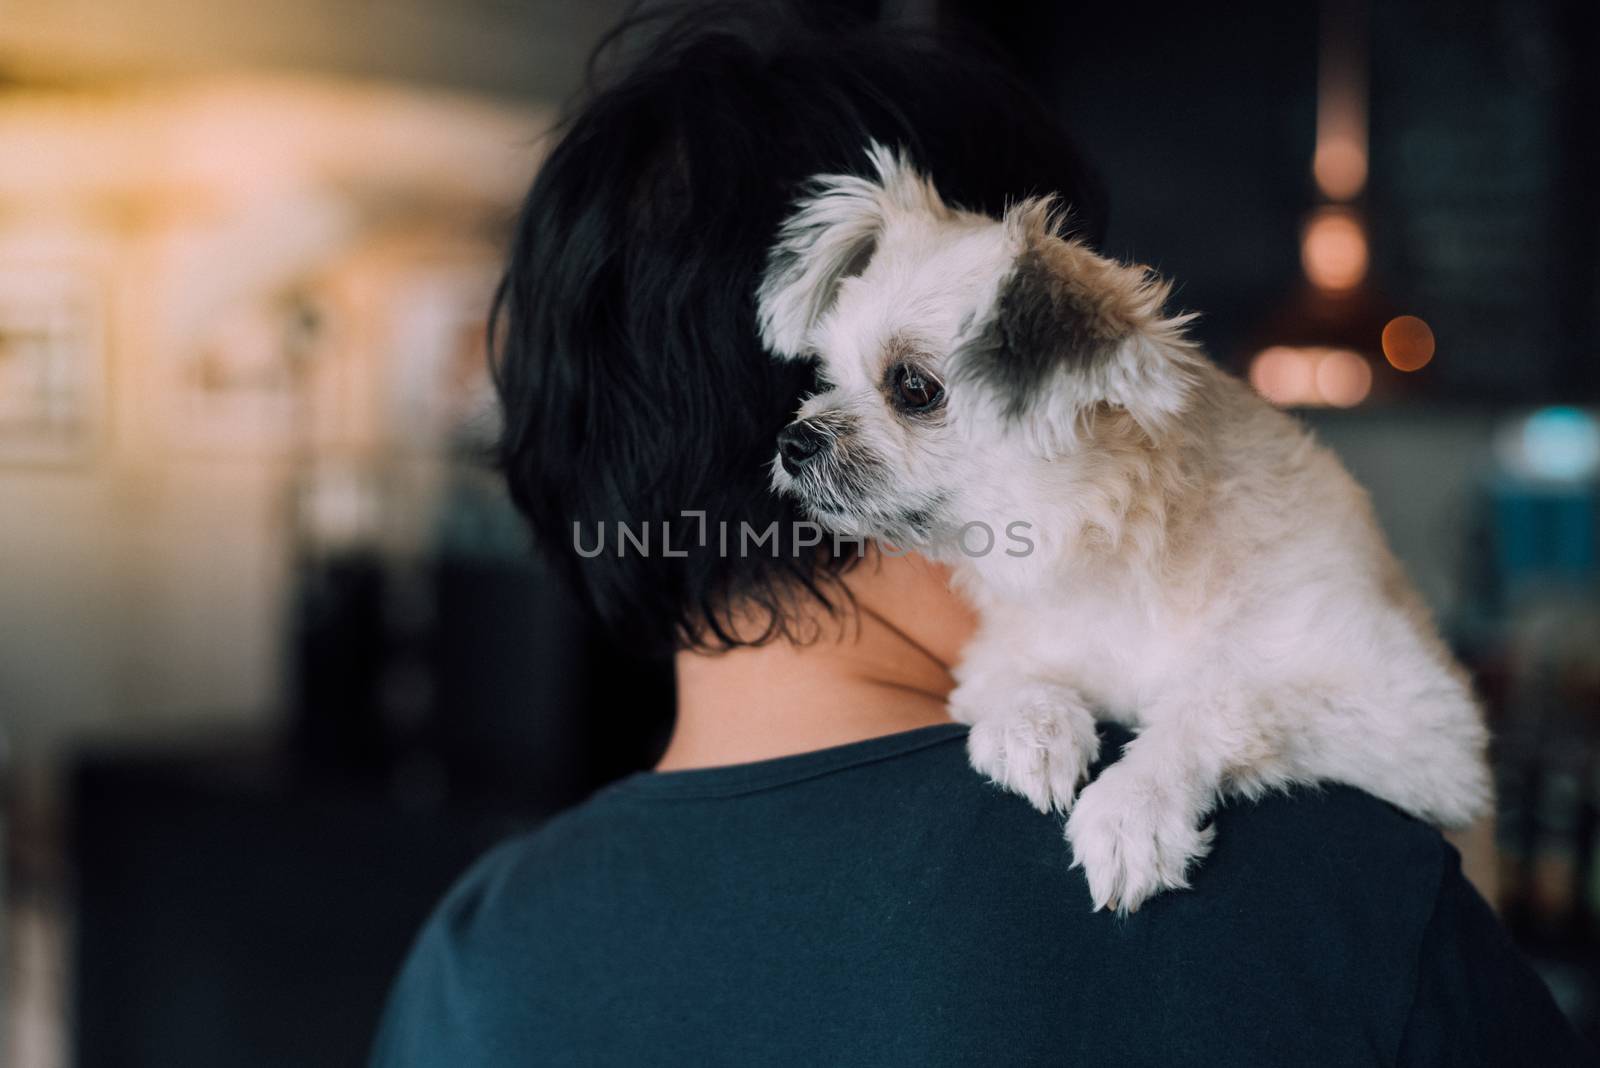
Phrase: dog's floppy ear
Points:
(831, 236)
(1070, 330)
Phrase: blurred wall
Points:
(178, 236)
(526, 49)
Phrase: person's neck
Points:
(887, 672)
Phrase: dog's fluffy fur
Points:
(1202, 570)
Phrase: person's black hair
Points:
(624, 347)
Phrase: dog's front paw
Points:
(1133, 837)
(1039, 745)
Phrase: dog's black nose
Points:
(798, 445)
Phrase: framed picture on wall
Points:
(52, 364)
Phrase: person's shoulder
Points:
(1329, 856)
(1325, 838)
(516, 878)
(489, 944)
(1330, 826)
(1330, 839)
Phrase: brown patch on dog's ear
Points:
(1042, 320)
(1062, 307)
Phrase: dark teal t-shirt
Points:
(881, 904)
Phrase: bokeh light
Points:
(1344, 378)
(1283, 376)
(1333, 250)
(1556, 444)
(1311, 377)
(1407, 343)
(1340, 167)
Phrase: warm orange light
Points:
(1333, 250)
(1294, 377)
(1407, 343)
(1340, 166)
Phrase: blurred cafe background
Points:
(275, 661)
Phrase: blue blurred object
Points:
(1547, 500)
(1561, 444)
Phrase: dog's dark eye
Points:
(915, 390)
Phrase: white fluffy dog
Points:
(1180, 557)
